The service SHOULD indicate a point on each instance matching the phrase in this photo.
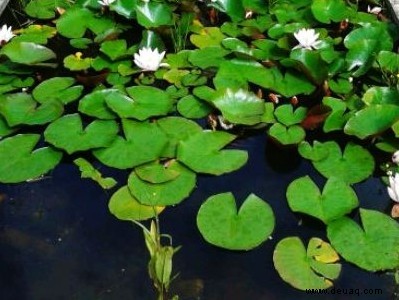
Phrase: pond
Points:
(59, 241)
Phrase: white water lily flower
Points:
(395, 157)
(393, 188)
(6, 34)
(106, 2)
(375, 10)
(149, 60)
(307, 39)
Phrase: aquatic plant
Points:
(96, 85)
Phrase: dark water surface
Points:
(58, 241)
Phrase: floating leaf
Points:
(372, 120)
(375, 247)
(155, 172)
(202, 153)
(20, 108)
(27, 53)
(286, 115)
(208, 57)
(153, 14)
(336, 119)
(208, 37)
(313, 268)
(88, 171)
(67, 133)
(240, 107)
(222, 225)
(143, 103)
(381, 95)
(353, 165)
(38, 34)
(170, 192)
(94, 104)
(114, 49)
(125, 207)
(57, 88)
(192, 108)
(143, 142)
(388, 61)
(326, 11)
(75, 62)
(19, 162)
(44, 9)
(336, 200)
(287, 135)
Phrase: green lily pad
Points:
(169, 192)
(19, 162)
(88, 171)
(311, 64)
(222, 225)
(114, 49)
(372, 120)
(94, 104)
(44, 9)
(353, 165)
(240, 107)
(177, 129)
(143, 142)
(287, 135)
(381, 95)
(156, 172)
(208, 37)
(233, 8)
(326, 11)
(192, 108)
(67, 133)
(144, 102)
(336, 200)
(336, 119)
(27, 53)
(153, 14)
(75, 62)
(208, 57)
(388, 61)
(20, 108)
(314, 268)
(373, 247)
(57, 88)
(4, 128)
(125, 207)
(202, 153)
(38, 34)
(286, 115)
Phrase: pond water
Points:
(58, 240)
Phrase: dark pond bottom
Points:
(58, 240)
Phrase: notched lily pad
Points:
(27, 53)
(314, 268)
(94, 104)
(67, 133)
(222, 225)
(169, 192)
(202, 153)
(336, 200)
(373, 247)
(19, 161)
(125, 207)
(58, 88)
(156, 172)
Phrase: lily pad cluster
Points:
(161, 89)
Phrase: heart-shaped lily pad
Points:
(221, 225)
(19, 162)
(67, 133)
(193, 108)
(143, 142)
(94, 104)
(125, 207)
(286, 115)
(144, 102)
(240, 107)
(169, 192)
(202, 153)
(336, 200)
(156, 172)
(58, 88)
(114, 49)
(313, 268)
(375, 247)
(20, 108)
(27, 53)
(353, 165)
(287, 135)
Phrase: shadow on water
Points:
(58, 240)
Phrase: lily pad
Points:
(202, 153)
(353, 165)
(27, 53)
(57, 88)
(287, 135)
(372, 120)
(153, 14)
(193, 108)
(156, 172)
(170, 192)
(286, 115)
(44, 9)
(222, 225)
(373, 247)
(336, 200)
(208, 37)
(125, 207)
(114, 49)
(19, 162)
(314, 268)
(20, 108)
(143, 142)
(88, 171)
(94, 104)
(67, 133)
(143, 103)
(240, 107)
(326, 11)
(75, 62)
